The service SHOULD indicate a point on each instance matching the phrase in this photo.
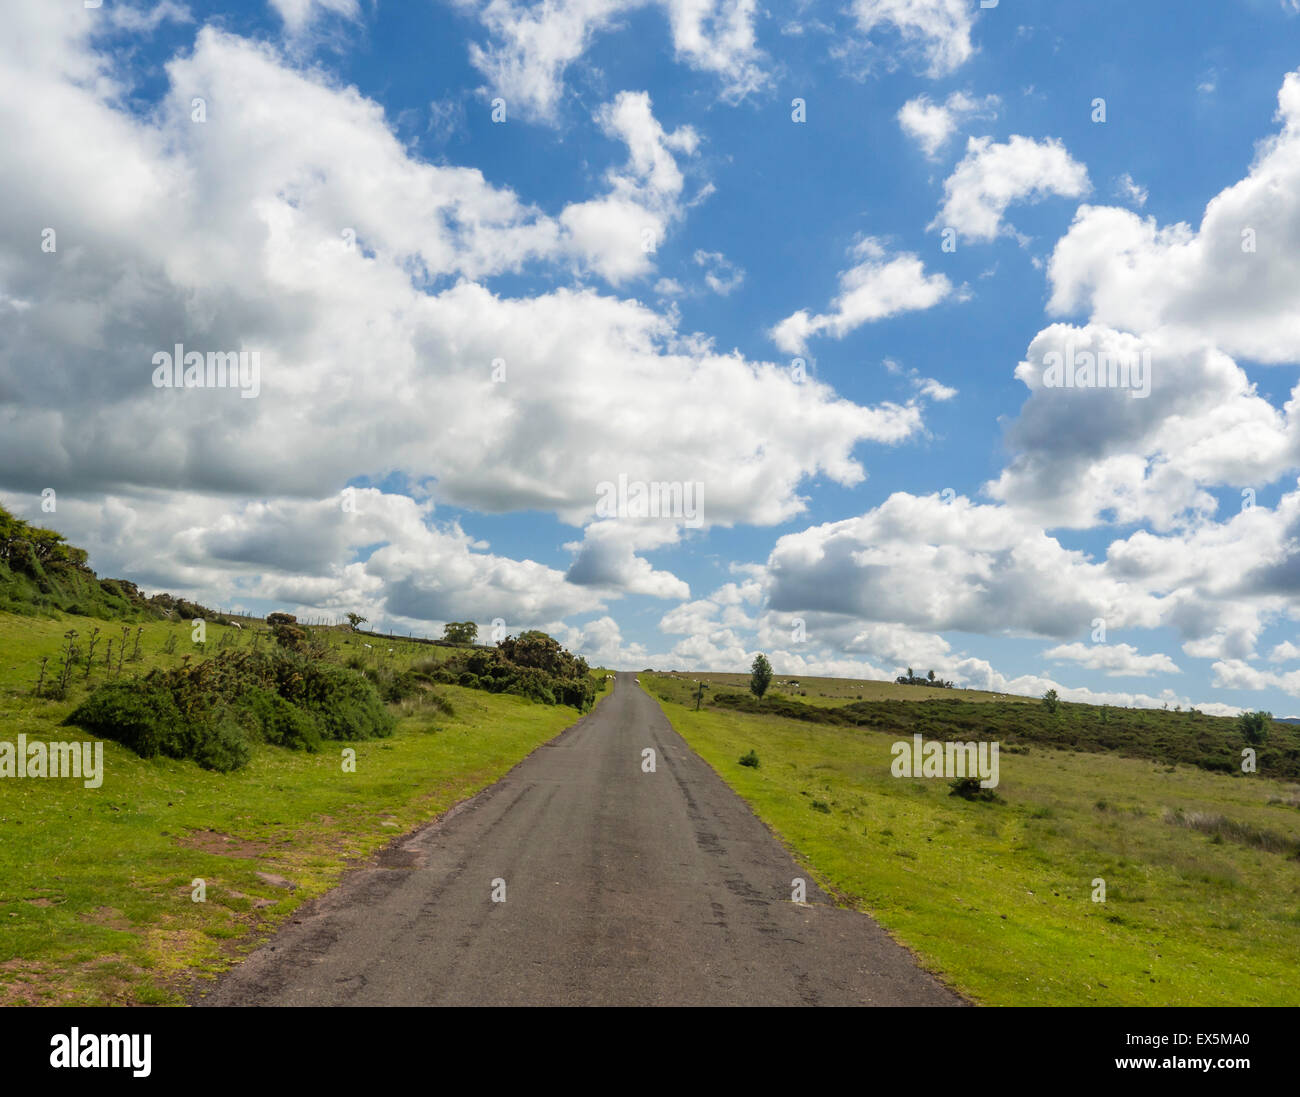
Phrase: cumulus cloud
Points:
(606, 557)
(1082, 455)
(991, 176)
(876, 287)
(932, 124)
(310, 235)
(1117, 660)
(1231, 280)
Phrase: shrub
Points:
(346, 704)
(1254, 726)
(143, 716)
(750, 759)
(134, 713)
(968, 788)
(281, 723)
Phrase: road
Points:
(621, 887)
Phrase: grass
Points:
(96, 885)
(1202, 892)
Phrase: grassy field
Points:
(1202, 901)
(96, 885)
(680, 686)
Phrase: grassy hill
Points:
(826, 692)
(1188, 737)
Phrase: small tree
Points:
(760, 676)
(461, 632)
(931, 677)
(1051, 701)
(1254, 725)
(356, 620)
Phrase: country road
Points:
(622, 887)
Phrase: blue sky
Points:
(323, 182)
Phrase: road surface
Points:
(621, 887)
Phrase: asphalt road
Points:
(622, 887)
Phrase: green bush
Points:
(968, 788)
(143, 716)
(281, 723)
(346, 704)
(134, 713)
(750, 759)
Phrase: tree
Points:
(1254, 726)
(931, 676)
(760, 676)
(1051, 701)
(460, 632)
(356, 620)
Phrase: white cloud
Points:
(1285, 652)
(931, 124)
(939, 29)
(1084, 455)
(875, 288)
(1234, 674)
(618, 234)
(1130, 191)
(992, 176)
(1117, 660)
(532, 45)
(235, 234)
(606, 558)
(298, 15)
(720, 274)
(1232, 280)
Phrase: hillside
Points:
(1189, 737)
(41, 574)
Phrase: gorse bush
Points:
(144, 717)
(532, 665)
(211, 711)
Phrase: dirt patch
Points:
(213, 841)
(107, 916)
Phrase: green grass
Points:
(996, 898)
(95, 885)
